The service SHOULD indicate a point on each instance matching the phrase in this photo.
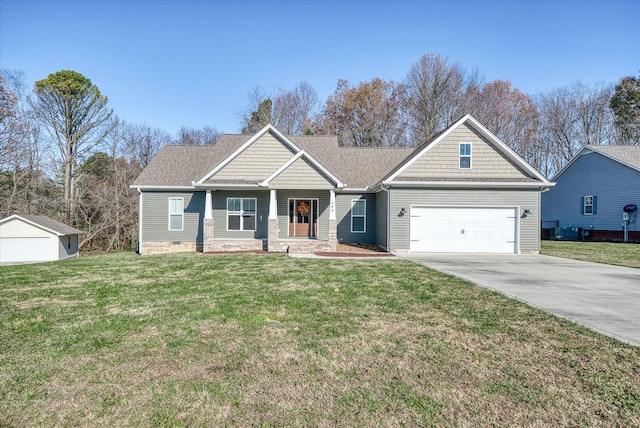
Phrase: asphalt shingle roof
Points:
(627, 154)
(51, 224)
(180, 165)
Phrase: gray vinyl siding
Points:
(66, 251)
(381, 218)
(257, 161)
(592, 174)
(343, 216)
(529, 227)
(283, 197)
(442, 160)
(219, 203)
(155, 217)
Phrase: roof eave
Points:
(355, 189)
(225, 186)
(469, 184)
(40, 226)
(160, 187)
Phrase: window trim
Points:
(470, 155)
(181, 213)
(593, 205)
(363, 216)
(241, 214)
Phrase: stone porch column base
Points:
(207, 238)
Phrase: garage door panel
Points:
(24, 249)
(466, 229)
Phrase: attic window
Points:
(465, 155)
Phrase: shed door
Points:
(463, 230)
(25, 249)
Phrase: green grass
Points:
(267, 340)
(612, 253)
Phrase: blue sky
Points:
(191, 63)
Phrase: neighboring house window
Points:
(589, 205)
(241, 214)
(69, 242)
(176, 213)
(465, 155)
(358, 215)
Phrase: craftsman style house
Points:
(462, 191)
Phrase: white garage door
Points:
(24, 249)
(463, 230)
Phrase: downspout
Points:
(139, 221)
(388, 216)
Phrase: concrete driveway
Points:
(602, 297)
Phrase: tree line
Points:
(64, 152)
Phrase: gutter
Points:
(463, 184)
(197, 186)
(142, 187)
(355, 189)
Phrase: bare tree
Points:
(76, 116)
(294, 110)
(291, 111)
(511, 115)
(140, 143)
(19, 147)
(574, 116)
(595, 117)
(203, 136)
(367, 115)
(107, 209)
(248, 114)
(435, 95)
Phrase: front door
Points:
(303, 217)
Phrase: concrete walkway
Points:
(602, 297)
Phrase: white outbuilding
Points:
(36, 238)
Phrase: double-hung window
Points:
(241, 214)
(176, 213)
(465, 155)
(589, 205)
(359, 215)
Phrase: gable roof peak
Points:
(623, 154)
(269, 128)
(43, 222)
(485, 132)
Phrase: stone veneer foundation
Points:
(273, 244)
(169, 247)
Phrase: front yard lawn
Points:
(611, 253)
(268, 340)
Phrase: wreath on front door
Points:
(303, 209)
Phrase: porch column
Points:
(272, 237)
(208, 204)
(273, 205)
(333, 223)
(332, 204)
(208, 232)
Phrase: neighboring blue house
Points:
(598, 191)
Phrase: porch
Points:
(300, 221)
